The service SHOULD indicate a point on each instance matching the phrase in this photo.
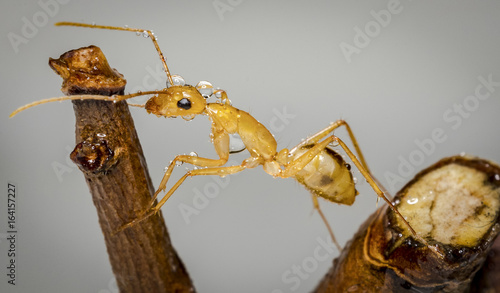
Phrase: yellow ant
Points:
(312, 162)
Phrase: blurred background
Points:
(416, 81)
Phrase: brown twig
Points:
(455, 205)
(109, 154)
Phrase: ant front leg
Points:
(221, 144)
(220, 171)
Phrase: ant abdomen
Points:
(328, 176)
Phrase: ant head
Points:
(183, 100)
(178, 100)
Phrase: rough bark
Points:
(487, 280)
(109, 154)
(454, 205)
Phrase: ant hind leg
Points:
(380, 194)
(328, 227)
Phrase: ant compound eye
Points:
(184, 104)
(205, 89)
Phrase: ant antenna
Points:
(114, 98)
(148, 32)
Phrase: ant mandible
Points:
(312, 162)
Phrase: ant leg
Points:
(221, 171)
(221, 145)
(330, 128)
(293, 167)
(381, 194)
(193, 160)
(316, 207)
(297, 164)
(137, 105)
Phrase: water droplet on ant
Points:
(193, 154)
(177, 80)
(334, 143)
(355, 180)
(205, 88)
(188, 117)
(178, 163)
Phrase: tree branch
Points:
(455, 205)
(109, 154)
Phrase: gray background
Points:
(270, 56)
